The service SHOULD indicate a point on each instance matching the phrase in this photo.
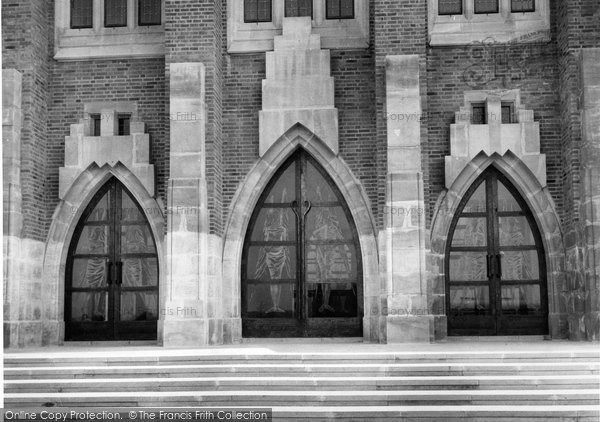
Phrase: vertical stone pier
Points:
(408, 317)
(590, 186)
(184, 309)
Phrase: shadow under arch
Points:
(64, 221)
(245, 200)
(542, 207)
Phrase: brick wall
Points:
(452, 71)
(25, 48)
(75, 83)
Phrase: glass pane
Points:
(522, 6)
(115, 12)
(82, 13)
(317, 188)
(136, 239)
(93, 240)
(327, 223)
(90, 273)
(274, 224)
(330, 262)
(295, 8)
(100, 212)
(506, 114)
(333, 9)
(506, 200)
(347, 7)
(328, 300)
(271, 262)
(270, 300)
(470, 232)
(89, 306)
(450, 7)
(520, 265)
(143, 306)
(150, 12)
(140, 272)
(129, 209)
(477, 201)
(284, 190)
(469, 300)
(468, 266)
(521, 300)
(479, 116)
(486, 6)
(515, 231)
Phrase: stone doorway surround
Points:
(245, 200)
(513, 149)
(90, 161)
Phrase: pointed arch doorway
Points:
(301, 261)
(111, 289)
(495, 263)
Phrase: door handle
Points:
(119, 278)
(488, 259)
(499, 265)
(307, 207)
(109, 274)
(294, 206)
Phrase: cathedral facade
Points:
(193, 172)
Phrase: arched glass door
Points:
(495, 267)
(112, 271)
(301, 268)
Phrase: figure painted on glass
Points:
(94, 276)
(327, 263)
(275, 260)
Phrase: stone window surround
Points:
(258, 37)
(504, 26)
(100, 42)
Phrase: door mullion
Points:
(300, 300)
(496, 301)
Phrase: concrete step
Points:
(308, 398)
(101, 358)
(96, 384)
(309, 369)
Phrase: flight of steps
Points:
(347, 383)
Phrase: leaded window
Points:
(486, 6)
(295, 8)
(82, 14)
(115, 13)
(522, 6)
(450, 7)
(257, 11)
(340, 9)
(478, 114)
(149, 12)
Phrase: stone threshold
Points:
(496, 339)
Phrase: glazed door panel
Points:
(302, 274)
(495, 268)
(112, 272)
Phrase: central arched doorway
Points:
(495, 263)
(301, 261)
(111, 289)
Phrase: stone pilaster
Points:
(408, 310)
(590, 191)
(23, 324)
(184, 312)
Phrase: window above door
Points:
(253, 24)
(88, 29)
(461, 22)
